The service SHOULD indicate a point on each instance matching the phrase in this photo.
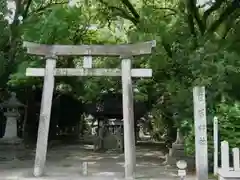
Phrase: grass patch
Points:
(212, 176)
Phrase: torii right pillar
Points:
(128, 117)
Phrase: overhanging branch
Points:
(226, 13)
(120, 12)
(130, 7)
(193, 10)
(26, 9)
(213, 8)
(46, 6)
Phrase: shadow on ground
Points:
(64, 161)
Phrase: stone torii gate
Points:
(125, 52)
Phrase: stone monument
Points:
(177, 152)
(12, 115)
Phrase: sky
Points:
(207, 3)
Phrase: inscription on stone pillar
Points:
(200, 123)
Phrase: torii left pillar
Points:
(45, 113)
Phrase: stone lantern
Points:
(11, 105)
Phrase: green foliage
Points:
(184, 58)
(228, 113)
(229, 121)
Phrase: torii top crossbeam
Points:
(90, 50)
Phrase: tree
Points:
(196, 45)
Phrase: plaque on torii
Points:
(124, 52)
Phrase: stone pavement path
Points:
(64, 163)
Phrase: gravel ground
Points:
(64, 163)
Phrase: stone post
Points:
(179, 139)
(177, 152)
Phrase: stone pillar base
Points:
(177, 150)
(11, 141)
(177, 153)
(11, 148)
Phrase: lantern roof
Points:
(12, 102)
